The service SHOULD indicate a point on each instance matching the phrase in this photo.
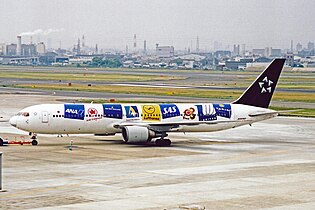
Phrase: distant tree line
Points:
(106, 62)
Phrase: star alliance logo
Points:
(265, 85)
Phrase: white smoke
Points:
(41, 32)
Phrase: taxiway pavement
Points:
(270, 165)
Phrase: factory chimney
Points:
(135, 43)
(19, 46)
(78, 47)
(197, 45)
(83, 41)
(145, 47)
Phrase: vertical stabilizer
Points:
(260, 92)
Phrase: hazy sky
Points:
(112, 23)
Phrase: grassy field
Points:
(239, 79)
(84, 76)
(187, 92)
(295, 112)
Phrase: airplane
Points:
(144, 123)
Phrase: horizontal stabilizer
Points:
(272, 113)
(258, 114)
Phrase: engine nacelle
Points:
(134, 134)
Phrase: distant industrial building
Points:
(23, 50)
(267, 52)
(299, 47)
(40, 48)
(28, 50)
(310, 46)
(2, 48)
(9, 49)
(289, 59)
(164, 51)
(222, 54)
(236, 50)
(306, 53)
(237, 65)
(259, 52)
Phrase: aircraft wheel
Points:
(34, 142)
(163, 142)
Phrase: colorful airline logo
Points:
(265, 85)
(223, 110)
(151, 112)
(112, 111)
(169, 110)
(92, 112)
(131, 111)
(93, 115)
(189, 114)
(74, 111)
(206, 112)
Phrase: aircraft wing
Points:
(168, 125)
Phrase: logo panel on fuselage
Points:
(189, 114)
(112, 111)
(223, 110)
(74, 111)
(132, 112)
(169, 110)
(206, 112)
(151, 112)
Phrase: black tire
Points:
(167, 142)
(158, 142)
(163, 142)
(34, 142)
(1, 142)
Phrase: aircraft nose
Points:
(13, 121)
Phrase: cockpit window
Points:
(25, 114)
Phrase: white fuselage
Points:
(102, 118)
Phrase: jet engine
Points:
(136, 134)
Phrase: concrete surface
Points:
(270, 165)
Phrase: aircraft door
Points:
(44, 117)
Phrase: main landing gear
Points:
(162, 142)
(33, 138)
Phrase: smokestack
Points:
(145, 47)
(19, 46)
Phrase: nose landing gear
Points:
(33, 138)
